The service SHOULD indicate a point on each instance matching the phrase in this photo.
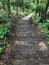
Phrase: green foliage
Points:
(4, 29)
(42, 27)
(33, 6)
(48, 43)
(36, 18)
(1, 50)
(47, 34)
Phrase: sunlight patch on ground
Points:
(20, 34)
(28, 17)
(22, 43)
(23, 33)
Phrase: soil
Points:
(23, 47)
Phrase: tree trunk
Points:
(17, 7)
(47, 4)
(3, 3)
(8, 7)
(37, 6)
(43, 14)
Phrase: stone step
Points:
(25, 52)
(24, 62)
(43, 64)
(22, 22)
(24, 27)
(28, 62)
(23, 30)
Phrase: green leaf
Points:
(47, 43)
(1, 50)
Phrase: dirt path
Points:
(27, 44)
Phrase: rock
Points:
(42, 46)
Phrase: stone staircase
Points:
(26, 48)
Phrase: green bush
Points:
(1, 49)
(4, 29)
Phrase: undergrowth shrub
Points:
(42, 26)
(4, 30)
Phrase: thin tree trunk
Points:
(37, 6)
(8, 7)
(3, 3)
(16, 7)
(43, 14)
(47, 4)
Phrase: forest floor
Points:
(26, 45)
